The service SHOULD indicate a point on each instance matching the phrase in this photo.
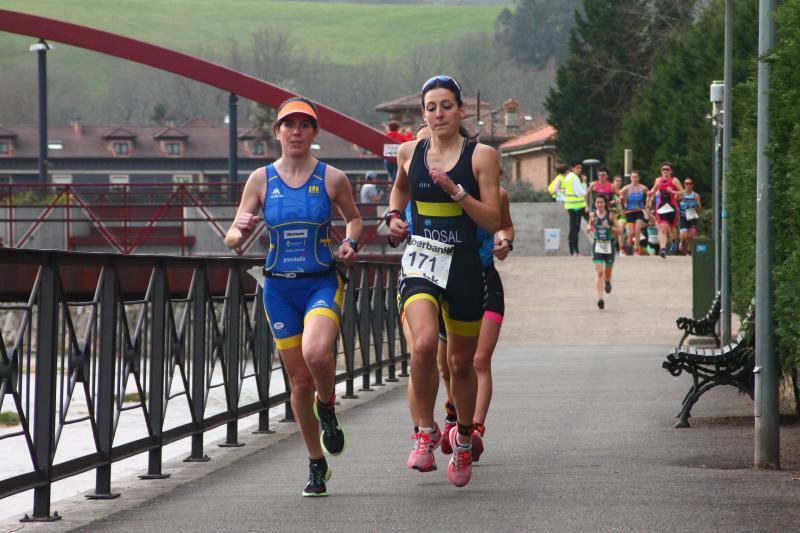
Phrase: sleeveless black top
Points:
(434, 214)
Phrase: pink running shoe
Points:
(477, 446)
(446, 448)
(459, 470)
(421, 457)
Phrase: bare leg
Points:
(422, 318)
(599, 280)
(490, 332)
(663, 231)
(302, 398)
(463, 380)
(319, 334)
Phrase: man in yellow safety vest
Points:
(574, 203)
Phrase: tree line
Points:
(625, 85)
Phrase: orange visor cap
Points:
(296, 106)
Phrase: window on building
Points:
(5, 180)
(258, 148)
(172, 148)
(118, 181)
(122, 149)
(5, 148)
(182, 178)
(62, 179)
(55, 145)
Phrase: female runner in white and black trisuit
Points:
(441, 266)
(302, 289)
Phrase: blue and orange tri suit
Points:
(300, 275)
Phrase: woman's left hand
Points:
(501, 249)
(347, 254)
(441, 179)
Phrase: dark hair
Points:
(605, 200)
(666, 163)
(634, 171)
(277, 124)
(562, 167)
(575, 164)
(602, 169)
(393, 125)
(442, 81)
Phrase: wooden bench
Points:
(730, 365)
(704, 327)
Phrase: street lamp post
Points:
(41, 49)
(727, 123)
(766, 453)
(717, 117)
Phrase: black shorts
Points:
(496, 301)
(463, 301)
(634, 216)
(668, 218)
(686, 225)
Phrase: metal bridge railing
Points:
(156, 331)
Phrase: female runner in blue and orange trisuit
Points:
(302, 289)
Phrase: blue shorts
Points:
(290, 302)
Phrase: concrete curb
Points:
(78, 512)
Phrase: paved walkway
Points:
(579, 437)
(578, 440)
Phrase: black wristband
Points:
(510, 244)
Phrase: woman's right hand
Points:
(246, 222)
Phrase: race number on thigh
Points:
(691, 214)
(602, 247)
(428, 259)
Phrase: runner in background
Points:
(633, 202)
(619, 214)
(690, 208)
(663, 196)
(601, 224)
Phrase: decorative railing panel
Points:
(134, 353)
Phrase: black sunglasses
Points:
(667, 168)
(445, 81)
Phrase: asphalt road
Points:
(578, 439)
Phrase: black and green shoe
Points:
(332, 438)
(318, 473)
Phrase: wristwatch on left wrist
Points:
(510, 244)
(352, 242)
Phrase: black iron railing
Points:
(156, 330)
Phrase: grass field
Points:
(342, 33)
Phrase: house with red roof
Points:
(531, 157)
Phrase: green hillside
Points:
(342, 33)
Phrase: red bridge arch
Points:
(189, 67)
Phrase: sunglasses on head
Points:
(445, 81)
(666, 168)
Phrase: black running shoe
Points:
(318, 474)
(663, 254)
(608, 287)
(332, 438)
(601, 304)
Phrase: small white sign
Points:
(552, 239)
(390, 150)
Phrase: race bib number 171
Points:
(427, 259)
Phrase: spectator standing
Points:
(369, 196)
(556, 187)
(574, 203)
(393, 131)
